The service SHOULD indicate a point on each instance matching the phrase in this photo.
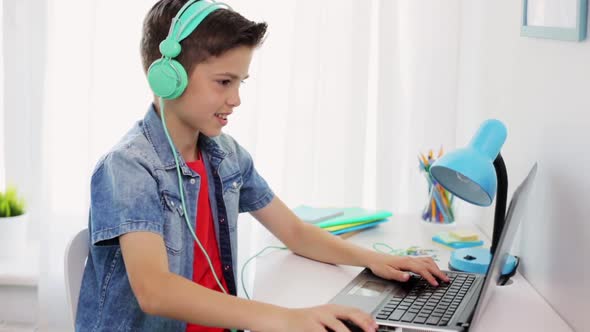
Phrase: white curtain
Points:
(2, 134)
(342, 97)
(346, 93)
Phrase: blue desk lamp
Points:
(473, 173)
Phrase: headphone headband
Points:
(190, 16)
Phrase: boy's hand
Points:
(392, 267)
(321, 319)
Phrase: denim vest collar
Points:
(154, 131)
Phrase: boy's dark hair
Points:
(219, 32)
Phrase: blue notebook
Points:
(355, 215)
(356, 228)
(315, 215)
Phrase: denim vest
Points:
(135, 188)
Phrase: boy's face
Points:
(213, 91)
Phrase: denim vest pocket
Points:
(174, 223)
(231, 196)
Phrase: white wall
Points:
(24, 70)
(539, 89)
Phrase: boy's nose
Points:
(234, 99)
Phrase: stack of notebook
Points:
(342, 220)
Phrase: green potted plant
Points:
(10, 204)
(13, 225)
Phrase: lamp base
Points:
(477, 260)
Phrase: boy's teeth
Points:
(221, 116)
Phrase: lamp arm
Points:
(501, 197)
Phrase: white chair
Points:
(75, 261)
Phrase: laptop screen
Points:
(516, 211)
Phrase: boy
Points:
(146, 270)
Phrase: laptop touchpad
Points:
(367, 294)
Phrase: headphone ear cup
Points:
(167, 78)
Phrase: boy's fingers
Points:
(425, 273)
(398, 275)
(433, 268)
(364, 321)
(334, 324)
(440, 274)
(421, 267)
(355, 317)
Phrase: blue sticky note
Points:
(445, 239)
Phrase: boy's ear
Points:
(167, 78)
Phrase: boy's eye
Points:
(226, 83)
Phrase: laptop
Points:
(455, 306)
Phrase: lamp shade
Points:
(469, 173)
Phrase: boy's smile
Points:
(222, 117)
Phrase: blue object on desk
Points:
(473, 174)
(469, 172)
(479, 264)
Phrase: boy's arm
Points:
(315, 243)
(162, 293)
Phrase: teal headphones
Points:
(166, 76)
(168, 80)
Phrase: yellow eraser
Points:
(465, 235)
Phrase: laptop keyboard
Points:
(426, 304)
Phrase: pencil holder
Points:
(439, 207)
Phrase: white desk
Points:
(288, 280)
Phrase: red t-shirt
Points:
(202, 273)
